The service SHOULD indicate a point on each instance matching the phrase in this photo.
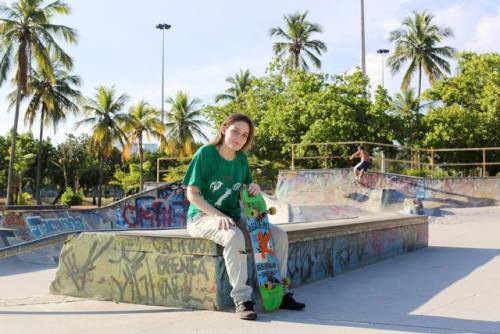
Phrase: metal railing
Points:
(415, 154)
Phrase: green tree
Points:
(405, 106)
(105, 119)
(4, 151)
(297, 42)
(24, 166)
(70, 158)
(27, 34)
(52, 100)
(184, 120)
(464, 109)
(306, 107)
(142, 119)
(131, 180)
(476, 86)
(417, 42)
(240, 82)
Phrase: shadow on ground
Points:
(385, 294)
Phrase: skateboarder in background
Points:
(363, 165)
(213, 179)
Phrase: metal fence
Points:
(386, 155)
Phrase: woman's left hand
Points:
(253, 189)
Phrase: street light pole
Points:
(382, 52)
(163, 27)
(363, 62)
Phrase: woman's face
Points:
(236, 135)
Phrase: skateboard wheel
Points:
(271, 210)
(269, 285)
(254, 213)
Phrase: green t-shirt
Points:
(219, 180)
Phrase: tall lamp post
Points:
(382, 52)
(363, 61)
(163, 27)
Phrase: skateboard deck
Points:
(268, 277)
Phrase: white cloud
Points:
(486, 36)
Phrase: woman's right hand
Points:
(224, 222)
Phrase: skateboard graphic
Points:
(268, 278)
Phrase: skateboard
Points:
(268, 278)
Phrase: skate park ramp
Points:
(161, 207)
(300, 196)
(325, 194)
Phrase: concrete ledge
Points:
(172, 269)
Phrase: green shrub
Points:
(25, 199)
(69, 197)
(415, 172)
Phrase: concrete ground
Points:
(453, 286)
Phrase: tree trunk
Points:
(39, 160)
(20, 192)
(65, 175)
(10, 177)
(141, 181)
(419, 89)
(101, 178)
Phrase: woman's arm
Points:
(193, 196)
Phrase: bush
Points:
(69, 197)
(25, 199)
(415, 172)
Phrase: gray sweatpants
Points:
(235, 256)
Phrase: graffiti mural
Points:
(173, 196)
(163, 207)
(383, 192)
(137, 270)
(45, 226)
(311, 260)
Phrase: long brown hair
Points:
(231, 119)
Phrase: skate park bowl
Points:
(324, 194)
(138, 251)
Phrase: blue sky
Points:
(209, 40)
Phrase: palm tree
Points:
(27, 34)
(105, 119)
(417, 42)
(297, 36)
(405, 103)
(183, 121)
(142, 119)
(52, 99)
(239, 84)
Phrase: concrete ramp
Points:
(293, 213)
(161, 207)
(383, 192)
(301, 196)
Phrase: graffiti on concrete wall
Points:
(139, 270)
(174, 196)
(162, 208)
(311, 260)
(44, 226)
(380, 191)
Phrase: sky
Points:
(119, 45)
